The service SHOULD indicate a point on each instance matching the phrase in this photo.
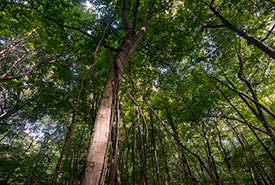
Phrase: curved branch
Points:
(30, 70)
(74, 111)
(15, 63)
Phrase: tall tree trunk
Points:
(155, 150)
(96, 157)
(248, 160)
(208, 150)
(114, 160)
(183, 153)
(165, 157)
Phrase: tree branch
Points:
(258, 43)
(244, 122)
(269, 32)
(73, 28)
(125, 17)
(135, 15)
(212, 26)
(75, 109)
(245, 95)
(30, 70)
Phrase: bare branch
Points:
(15, 63)
(239, 113)
(269, 32)
(45, 61)
(14, 43)
(244, 122)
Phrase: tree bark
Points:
(114, 160)
(96, 157)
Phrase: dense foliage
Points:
(196, 102)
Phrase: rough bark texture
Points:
(99, 141)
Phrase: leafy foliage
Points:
(197, 96)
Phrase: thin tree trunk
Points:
(185, 159)
(165, 156)
(114, 160)
(133, 152)
(268, 176)
(139, 111)
(209, 150)
(38, 159)
(240, 114)
(155, 150)
(184, 147)
(18, 161)
(253, 91)
(246, 153)
(128, 148)
(224, 154)
(78, 154)
(141, 150)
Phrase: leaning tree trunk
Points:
(96, 157)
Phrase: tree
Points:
(136, 92)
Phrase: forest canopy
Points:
(137, 92)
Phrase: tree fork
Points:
(95, 159)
